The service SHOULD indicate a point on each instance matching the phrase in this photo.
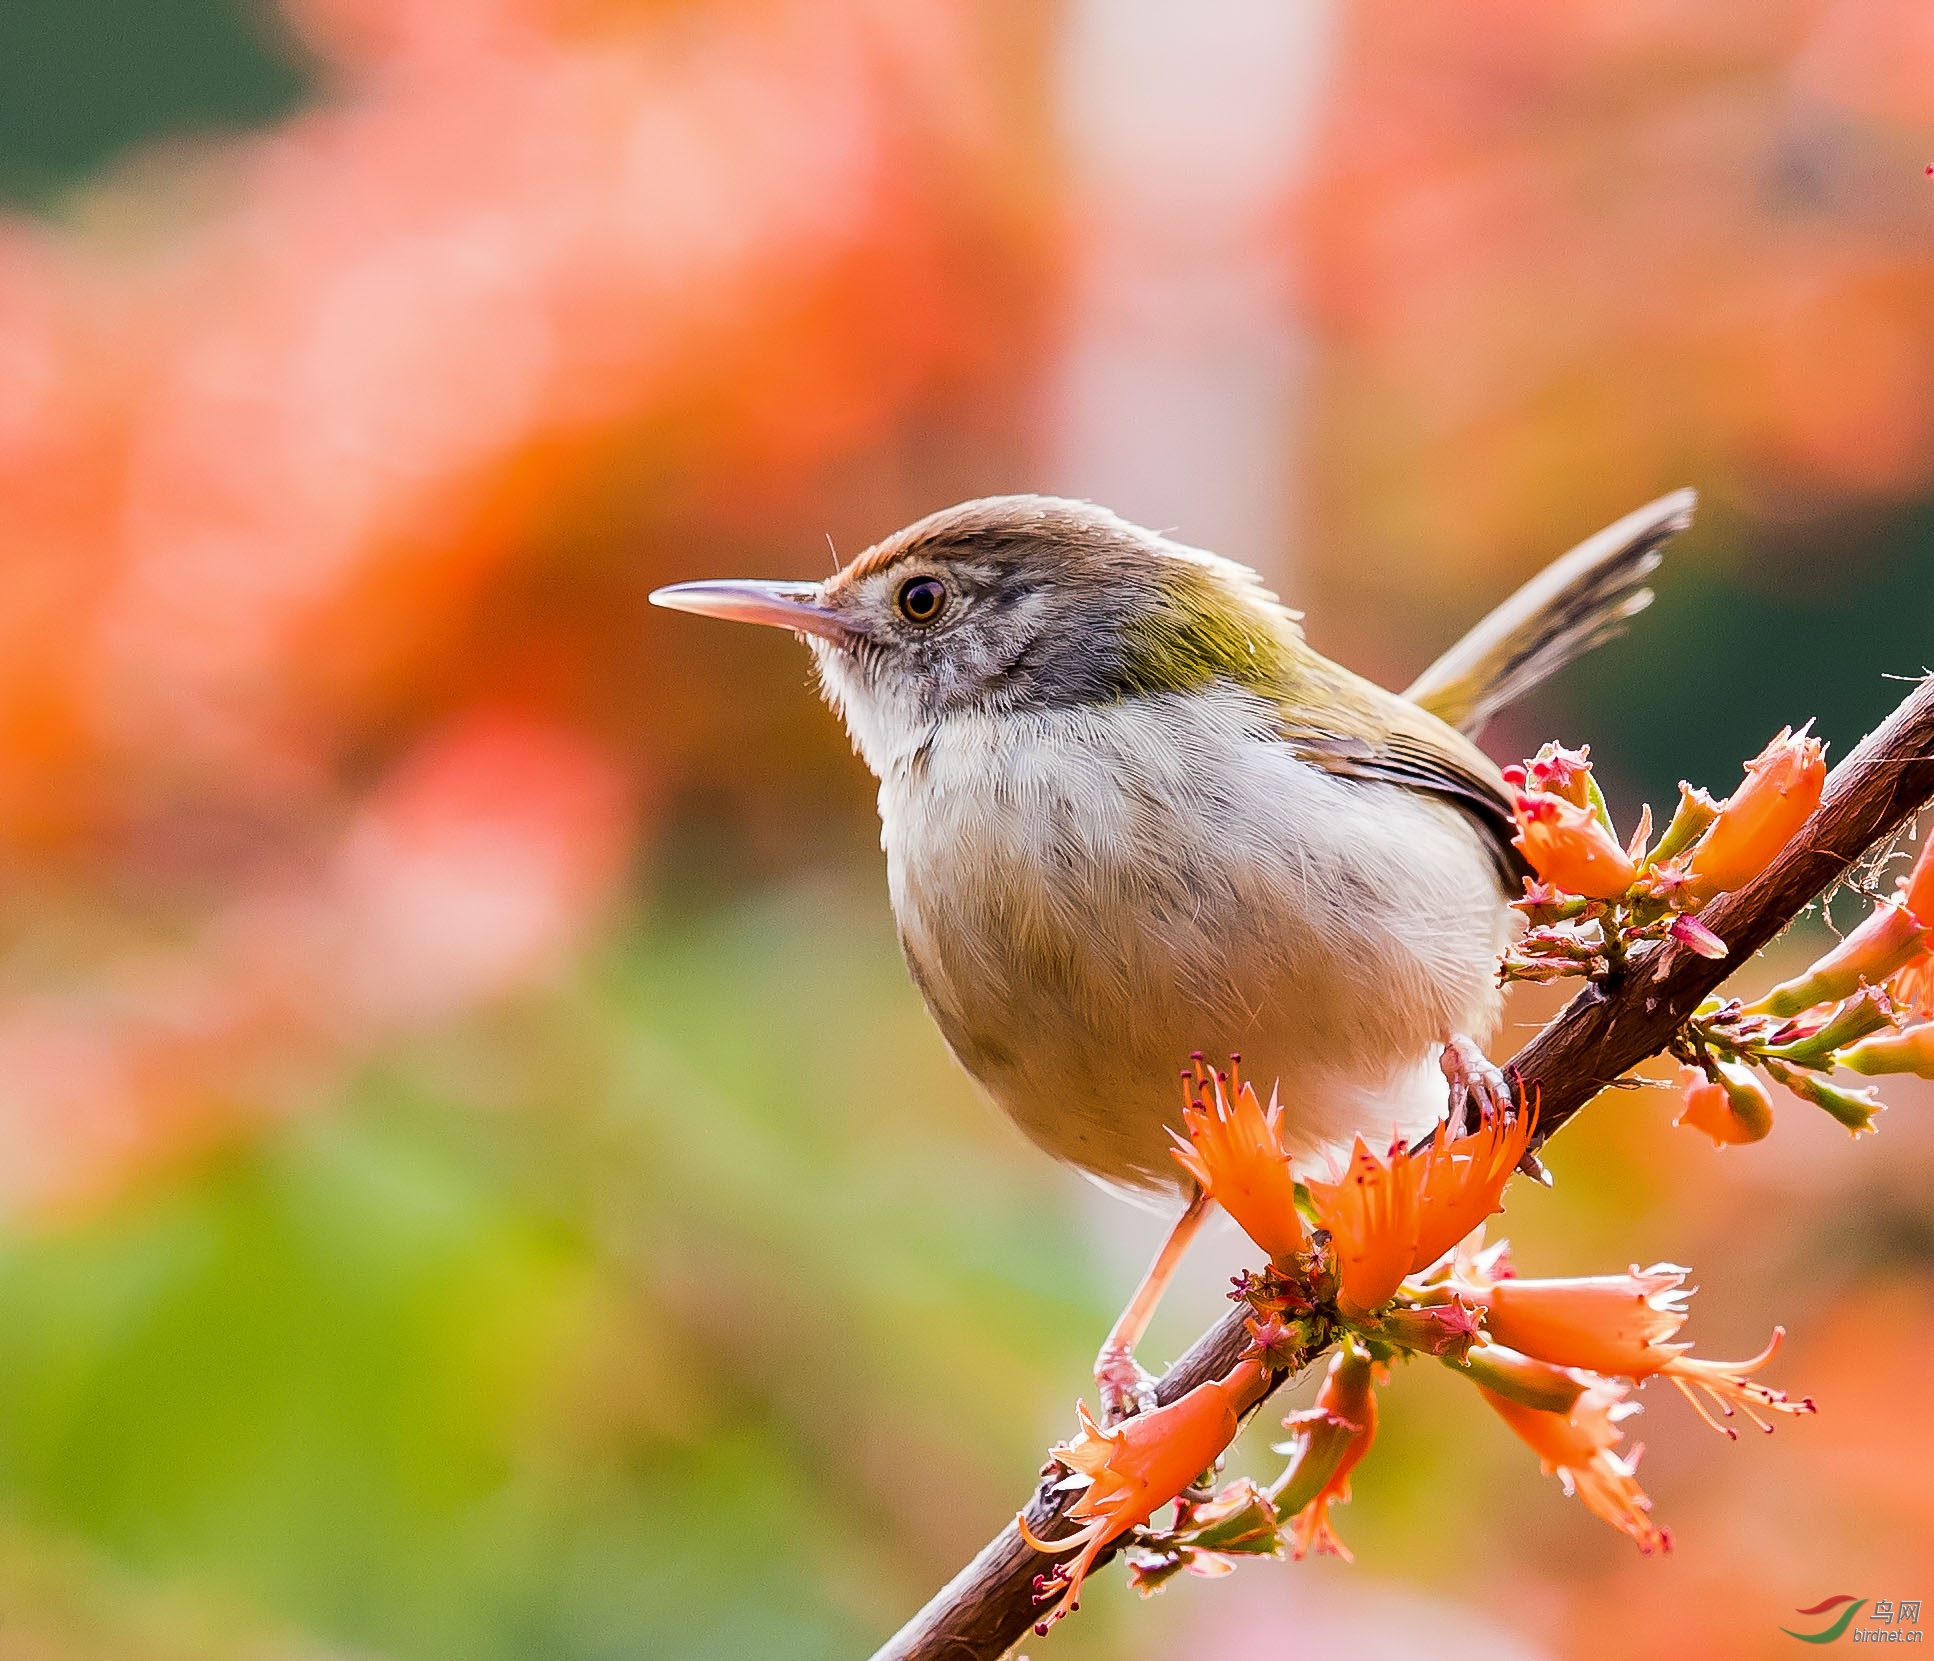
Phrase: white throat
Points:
(887, 726)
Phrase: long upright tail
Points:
(1574, 604)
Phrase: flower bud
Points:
(1851, 1022)
(1569, 846)
(1892, 936)
(1911, 1051)
(1241, 1521)
(1696, 937)
(1853, 1108)
(1695, 812)
(1782, 788)
(1557, 771)
(1733, 1108)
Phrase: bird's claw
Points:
(1126, 1387)
(1478, 1087)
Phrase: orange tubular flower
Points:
(1782, 788)
(1132, 1469)
(1619, 1324)
(1234, 1150)
(1603, 1323)
(1732, 1109)
(1568, 846)
(1327, 1443)
(1389, 1220)
(1372, 1215)
(1893, 936)
(1912, 989)
(1577, 1448)
(1463, 1183)
(1917, 887)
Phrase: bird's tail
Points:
(1574, 604)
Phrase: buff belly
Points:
(1085, 899)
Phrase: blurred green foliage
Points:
(84, 80)
(655, 1318)
(1755, 626)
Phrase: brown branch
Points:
(1598, 1037)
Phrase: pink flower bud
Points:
(1696, 937)
(1445, 1330)
(1557, 771)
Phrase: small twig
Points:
(1591, 1042)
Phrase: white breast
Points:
(1087, 895)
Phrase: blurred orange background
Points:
(475, 1179)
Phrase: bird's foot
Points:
(1478, 1087)
(1478, 1090)
(1125, 1385)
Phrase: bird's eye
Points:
(922, 599)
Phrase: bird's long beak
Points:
(795, 606)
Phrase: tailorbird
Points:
(1130, 814)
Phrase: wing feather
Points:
(1576, 603)
(1395, 742)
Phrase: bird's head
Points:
(1008, 605)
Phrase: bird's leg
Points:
(1126, 1386)
(1479, 1089)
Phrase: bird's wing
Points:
(1395, 742)
(1574, 604)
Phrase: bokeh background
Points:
(476, 1180)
